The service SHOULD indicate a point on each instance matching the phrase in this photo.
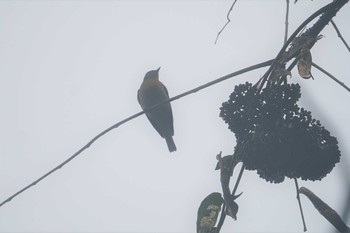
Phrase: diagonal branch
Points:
(250, 68)
(228, 21)
(331, 76)
(340, 35)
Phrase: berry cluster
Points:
(276, 137)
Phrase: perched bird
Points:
(153, 92)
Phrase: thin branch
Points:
(331, 76)
(340, 35)
(238, 180)
(250, 68)
(228, 21)
(286, 22)
(300, 207)
(242, 71)
(73, 156)
(222, 218)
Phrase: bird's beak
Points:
(158, 69)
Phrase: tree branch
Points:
(250, 68)
(331, 76)
(340, 35)
(284, 56)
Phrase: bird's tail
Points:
(171, 144)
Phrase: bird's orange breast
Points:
(152, 92)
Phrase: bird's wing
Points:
(166, 90)
(162, 118)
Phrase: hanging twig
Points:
(340, 35)
(300, 207)
(286, 22)
(250, 68)
(295, 180)
(228, 21)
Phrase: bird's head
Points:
(153, 74)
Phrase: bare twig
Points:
(300, 207)
(250, 68)
(286, 22)
(228, 21)
(238, 180)
(340, 35)
(331, 76)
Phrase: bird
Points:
(153, 92)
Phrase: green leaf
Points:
(208, 212)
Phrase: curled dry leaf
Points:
(326, 211)
(304, 63)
